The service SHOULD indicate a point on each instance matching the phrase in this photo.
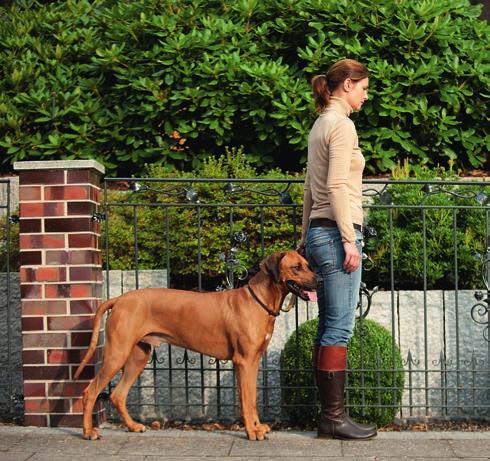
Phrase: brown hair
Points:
(323, 85)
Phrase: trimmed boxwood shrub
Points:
(375, 378)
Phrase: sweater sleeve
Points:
(307, 204)
(342, 139)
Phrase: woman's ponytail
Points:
(321, 93)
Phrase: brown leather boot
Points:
(334, 423)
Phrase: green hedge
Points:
(454, 239)
(171, 81)
(375, 378)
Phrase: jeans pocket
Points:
(321, 250)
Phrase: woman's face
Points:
(357, 92)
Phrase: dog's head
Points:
(292, 270)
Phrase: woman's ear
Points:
(348, 85)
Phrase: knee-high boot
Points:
(330, 376)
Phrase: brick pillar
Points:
(61, 285)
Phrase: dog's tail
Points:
(95, 334)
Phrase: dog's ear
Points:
(271, 265)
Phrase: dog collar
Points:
(261, 304)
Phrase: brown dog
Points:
(234, 324)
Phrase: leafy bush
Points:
(9, 245)
(455, 239)
(194, 238)
(170, 81)
(375, 378)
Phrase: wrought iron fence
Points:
(426, 272)
(10, 335)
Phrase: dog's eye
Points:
(297, 268)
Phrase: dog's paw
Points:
(137, 427)
(258, 432)
(91, 434)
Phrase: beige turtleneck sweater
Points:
(333, 183)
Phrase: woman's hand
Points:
(352, 257)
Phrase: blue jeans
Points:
(338, 290)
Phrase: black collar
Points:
(261, 304)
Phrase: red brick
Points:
(83, 306)
(85, 274)
(70, 323)
(66, 420)
(34, 390)
(36, 420)
(58, 356)
(30, 291)
(28, 241)
(83, 291)
(30, 357)
(27, 226)
(32, 323)
(81, 208)
(66, 192)
(70, 355)
(36, 406)
(57, 291)
(95, 194)
(44, 340)
(26, 275)
(28, 258)
(66, 389)
(43, 307)
(29, 193)
(82, 241)
(77, 405)
(82, 339)
(69, 225)
(51, 274)
(41, 209)
(46, 372)
(47, 405)
(87, 373)
(42, 274)
(73, 257)
(42, 177)
(83, 177)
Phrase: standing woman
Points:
(332, 234)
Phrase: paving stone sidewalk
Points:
(57, 444)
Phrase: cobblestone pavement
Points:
(57, 444)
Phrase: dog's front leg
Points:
(246, 371)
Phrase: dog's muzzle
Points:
(300, 291)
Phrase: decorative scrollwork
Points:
(213, 361)
(410, 361)
(154, 358)
(190, 194)
(480, 312)
(363, 291)
(284, 195)
(186, 359)
(431, 189)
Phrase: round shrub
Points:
(374, 382)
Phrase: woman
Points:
(332, 234)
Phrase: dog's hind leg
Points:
(114, 359)
(135, 364)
